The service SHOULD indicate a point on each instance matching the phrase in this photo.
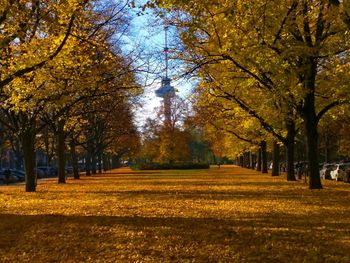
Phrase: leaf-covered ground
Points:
(218, 215)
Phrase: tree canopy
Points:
(281, 63)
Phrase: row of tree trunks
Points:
(24, 148)
(252, 161)
(246, 160)
(27, 142)
(95, 162)
(262, 156)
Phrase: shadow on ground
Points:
(156, 239)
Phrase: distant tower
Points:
(166, 91)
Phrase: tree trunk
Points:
(290, 162)
(311, 123)
(88, 159)
(241, 161)
(105, 162)
(109, 159)
(264, 157)
(99, 160)
(18, 154)
(245, 163)
(289, 144)
(88, 165)
(73, 153)
(214, 159)
(312, 151)
(251, 160)
(93, 164)
(259, 160)
(47, 146)
(27, 141)
(276, 159)
(246, 160)
(60, 153)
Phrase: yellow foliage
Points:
(173, 146)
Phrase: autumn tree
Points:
(280, 48)
(167, 142)
(150, 141)
(199, 146)
(33, 33)
(173, 138)
(48, 50)
(243, 130)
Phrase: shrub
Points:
(167, 166)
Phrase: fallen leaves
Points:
(219, 215)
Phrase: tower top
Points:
(166, 90)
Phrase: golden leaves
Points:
(228, 214)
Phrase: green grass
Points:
(218, 215)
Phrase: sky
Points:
(148, 37)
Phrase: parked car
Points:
(325, 172)
(48, 171)
(339, 171)
(19, 174)
(69, 170)
(39, 173)
(81, 167)
(12, 178)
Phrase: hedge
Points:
(166, 166)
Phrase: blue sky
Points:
(148, 37)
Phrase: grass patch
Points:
(216, 215)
